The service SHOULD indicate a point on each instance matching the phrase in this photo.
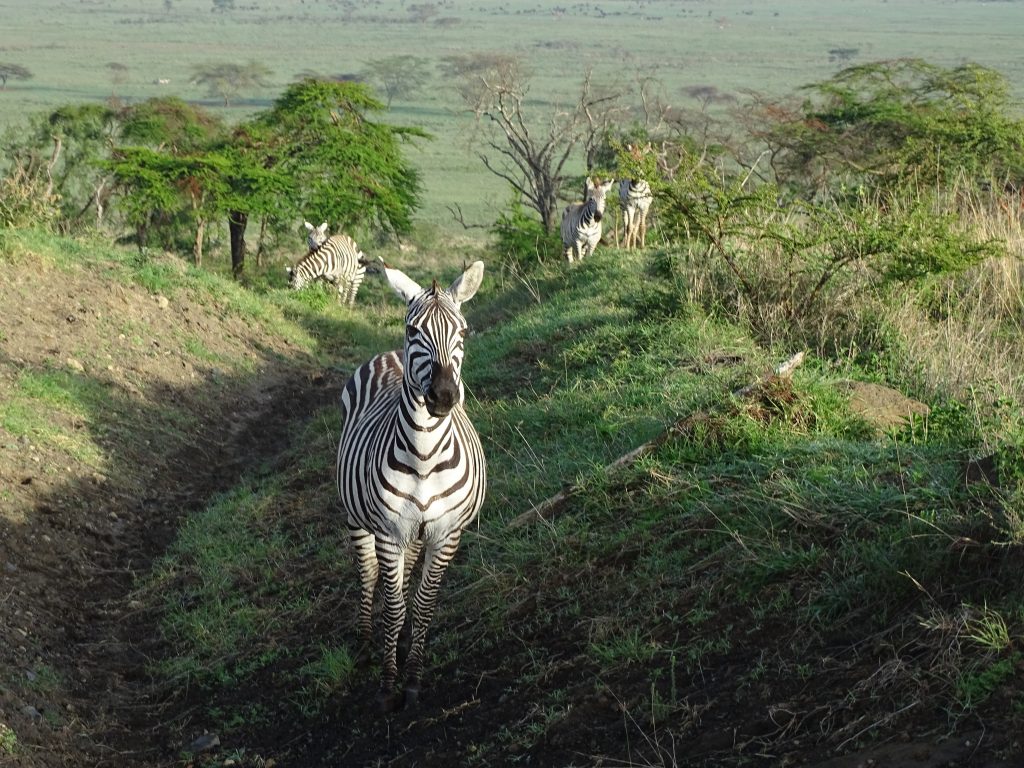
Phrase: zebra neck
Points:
(419, 427)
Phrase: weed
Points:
(975, 684)
(8, 740)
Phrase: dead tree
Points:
(528, 150)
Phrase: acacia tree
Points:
(317, 154)
(877, 125)
(397, 76)
(10, 71)
(226, 81)
(164, 173)
(60, 151)
(527, 150)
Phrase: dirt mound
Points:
(122, 411)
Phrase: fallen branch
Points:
(551, 506)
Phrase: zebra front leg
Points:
(435, 562)
(391, 558)
(412, 554)
(366, 560)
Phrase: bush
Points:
(523, 239)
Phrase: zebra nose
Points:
(443, 394)
(597, 215)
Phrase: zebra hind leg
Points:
(435, 563)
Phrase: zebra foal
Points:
(336, 259)
(581, 222)
(411, 472)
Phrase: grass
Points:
(780, 516)
(774, 548)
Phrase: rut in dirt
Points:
(108, 640)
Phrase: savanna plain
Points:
(822, 566)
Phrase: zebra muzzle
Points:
(443, 393)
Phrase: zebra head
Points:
(315, 236)
(434, 333)
(597, 192)
(296, 280)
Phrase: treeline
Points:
(164, 169)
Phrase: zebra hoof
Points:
(412, 696)
(389, 702)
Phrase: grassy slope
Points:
(775, 581)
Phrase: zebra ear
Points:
(402, 284)
(309, 226)
(468, 283)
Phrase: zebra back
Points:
(635, 193)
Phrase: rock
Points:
(205, 742)
(163, 302)
(881, 406)
(31, 712)
(75, 365)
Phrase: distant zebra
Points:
(635, 198)
(336, 259)
(581, 222)
(411, 472)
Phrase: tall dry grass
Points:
(954, 337)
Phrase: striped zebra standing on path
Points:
(581, 222)
(336, 259)
(411, 472)
(635, 198)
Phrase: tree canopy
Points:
(226, 81)
(10, 71)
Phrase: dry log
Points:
(551, 506)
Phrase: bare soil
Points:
(74, 643)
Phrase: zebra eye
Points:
(411, 330)
(463, 332)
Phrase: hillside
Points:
(780, 583)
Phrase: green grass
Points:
(777, 511)
(8, 740)
(779, 516)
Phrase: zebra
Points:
(336, 259)
(581, 222)
(635, 198)
(410, 470)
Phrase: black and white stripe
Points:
(336, 259)
(411, 472)
(635, 198)
(581, 222)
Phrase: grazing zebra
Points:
(336, 259)
(411, 473)
(635, 198)
(581, 222)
